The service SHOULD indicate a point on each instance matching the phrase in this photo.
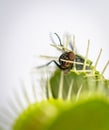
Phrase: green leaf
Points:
(89, 83)
(92, 114)
(85, 114)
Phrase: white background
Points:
(24, 32)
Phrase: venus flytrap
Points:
(67, 88)
(78, 99)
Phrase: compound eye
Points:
(71, 56)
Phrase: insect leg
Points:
(58, 39)
(48, 64)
